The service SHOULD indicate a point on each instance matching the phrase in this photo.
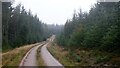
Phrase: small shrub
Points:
(78, 59)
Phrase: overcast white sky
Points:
(55, 11)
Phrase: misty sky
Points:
(55, 11)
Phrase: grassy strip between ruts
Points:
(40, 61)
(14, 57)
(81, 57)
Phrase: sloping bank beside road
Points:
(13, 57)
(83, 57)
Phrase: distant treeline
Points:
(98, 29)
(21, 27)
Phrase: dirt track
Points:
(30, 58)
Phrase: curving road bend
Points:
(47, 57)
(30, 58)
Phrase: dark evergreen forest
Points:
(20, 27)
(99, 29)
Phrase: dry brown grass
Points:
(14, 57)
(115, 61)
(82, 57)
(60, 54)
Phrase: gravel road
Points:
(30, 58)
(47, 57)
